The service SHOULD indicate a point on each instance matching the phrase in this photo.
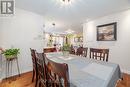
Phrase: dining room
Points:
(64, 43)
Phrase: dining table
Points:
(87, 72)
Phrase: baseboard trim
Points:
(125, 71)
(17, 75)
(21, 72)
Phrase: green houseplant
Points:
(11, 53)
(66, 49)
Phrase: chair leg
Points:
(37, 84)
(18, 67)
(36, 80)
(33, 75)
(6, 68)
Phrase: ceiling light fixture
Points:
(66, 0)
(53, 24)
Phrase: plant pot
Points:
(8, 57)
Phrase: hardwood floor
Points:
(25, 81)
(125, 82)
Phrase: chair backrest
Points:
(99, 54)
(72, 51)
(41, 67)
(33, 55)
(85, 51)
(79, 51)
(47, 50)
(58, 74)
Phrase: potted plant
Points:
(66, 49)
(11, 53)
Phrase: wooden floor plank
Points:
(23, 81)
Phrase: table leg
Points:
(11, 67)
(18, 67)
(6, 70)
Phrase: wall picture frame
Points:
(107, 32)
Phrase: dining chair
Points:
(58, 75)
(33, 55)
(72, 51)
(85, 51)
(42, 73)
(48, 50)
(79, 51)
(99, 54)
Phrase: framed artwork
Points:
(107, 32)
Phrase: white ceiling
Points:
(72, 16)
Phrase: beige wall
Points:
(22, 31)
(120, 49)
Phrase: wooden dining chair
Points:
(42, 73)
(79, 51)
(85, 51)
(33, 55)
(99, 54)
(72, 51)
(48, 50)
(58, 75)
